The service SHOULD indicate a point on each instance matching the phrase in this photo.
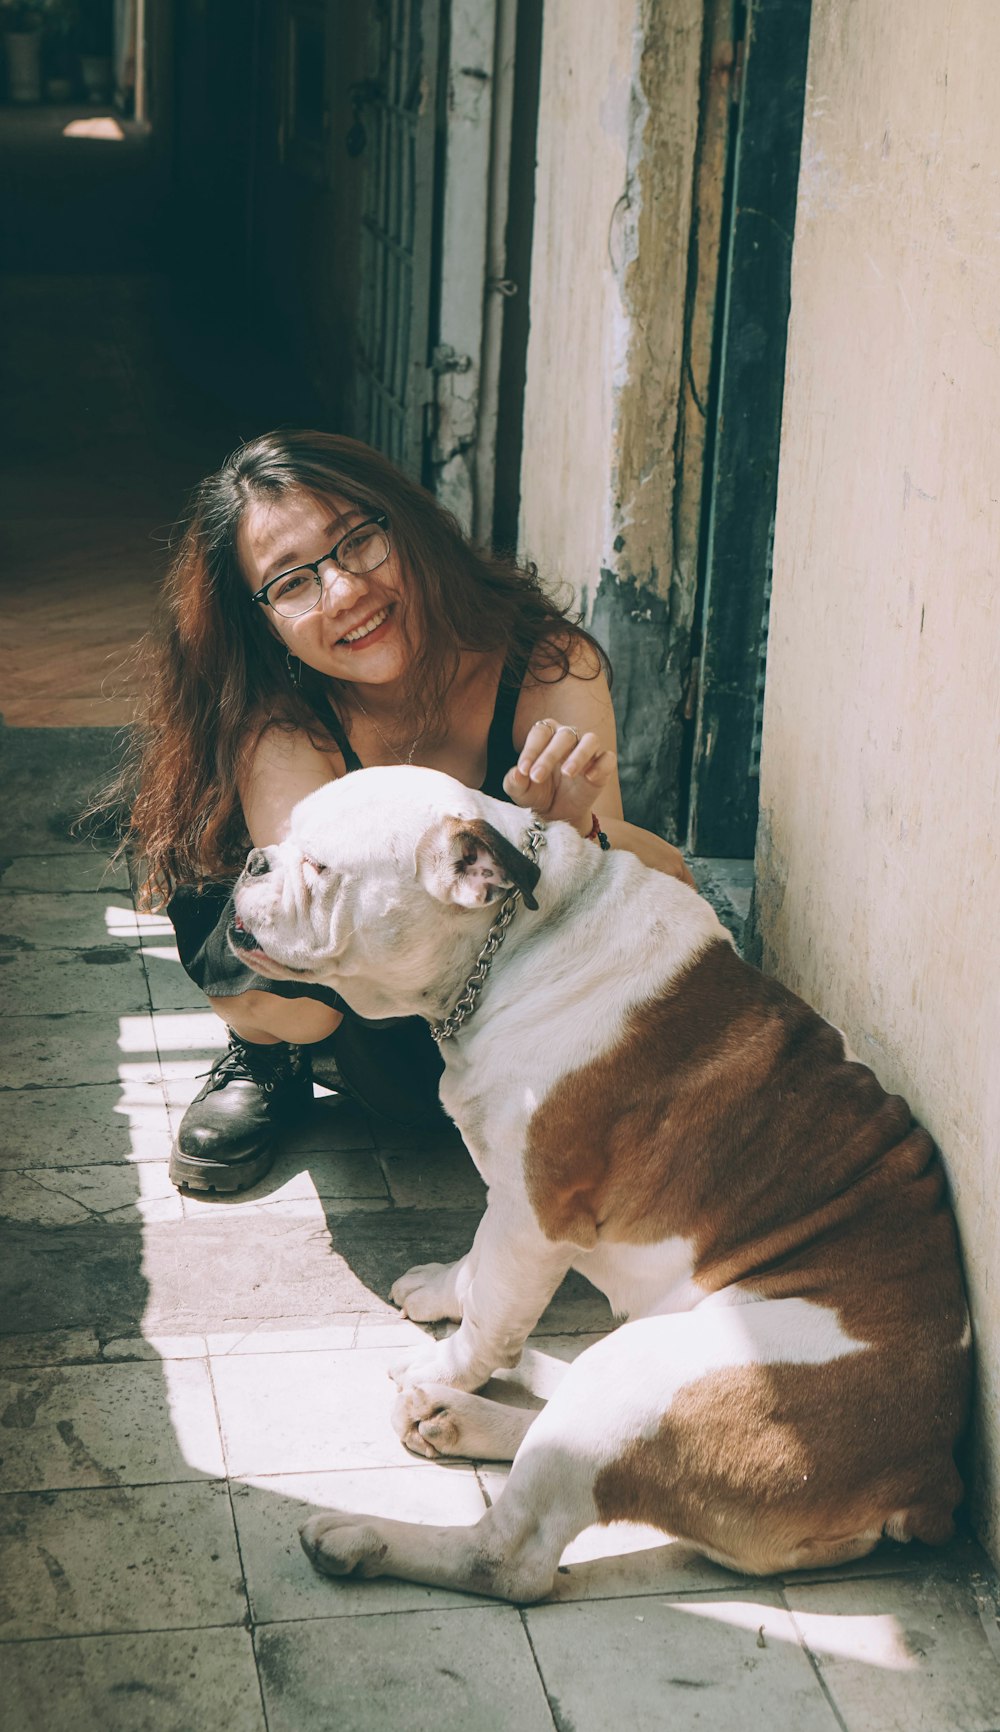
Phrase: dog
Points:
(791, 1375)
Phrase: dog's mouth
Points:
(242, 938)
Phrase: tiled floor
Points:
(184, 1380)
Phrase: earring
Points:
(294, 667)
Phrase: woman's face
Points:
(354, 632)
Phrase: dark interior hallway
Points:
(134, 356)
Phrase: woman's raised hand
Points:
(560, 773)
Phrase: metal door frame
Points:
(742, 457)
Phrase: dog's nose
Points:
(256, 863)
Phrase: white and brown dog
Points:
(648, 1109)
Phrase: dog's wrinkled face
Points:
(372, 890)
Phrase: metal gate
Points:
(396, 125)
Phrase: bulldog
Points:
(791, 1372)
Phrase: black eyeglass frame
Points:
(261, 597)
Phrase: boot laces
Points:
(242, 1062)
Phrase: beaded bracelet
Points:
(595, 833)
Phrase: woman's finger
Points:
(563, 743)
(600, 771)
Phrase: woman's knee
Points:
(265, 1016)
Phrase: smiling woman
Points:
(324, 613)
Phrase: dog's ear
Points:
(465, 860)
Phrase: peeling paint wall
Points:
(878, 860)
(618, 129)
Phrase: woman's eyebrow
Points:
(291, 560)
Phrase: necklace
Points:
(388, 743)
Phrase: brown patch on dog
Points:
(779, 1467)
(730, 1116)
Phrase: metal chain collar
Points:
(466, 1003)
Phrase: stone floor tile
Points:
(90, 1425)
(576, 1309)
(389, 1329)
(52, 1195)
(282, 1582)
(122, 1558)
(442, 1178)
(83, 1125)
(455, 1671)
(22, 1198)
(62, 1051)
(47, 873)
(169, 987)
(683, 1664)
(286, 1335)
(334, 1123)
(194, 1276)
(306, 1412)
(437, 1140)
(107, 981)
(191, 1036)
(49, 1347)
(73, 921)
(121, 1348)
(167, 1681)
(901, 1654)
(336, 1175)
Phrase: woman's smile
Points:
(369, 629)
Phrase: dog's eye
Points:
(314, 865)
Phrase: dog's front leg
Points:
(511, 1274)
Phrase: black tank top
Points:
(500, 752)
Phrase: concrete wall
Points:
(878, 860)
(617, 145)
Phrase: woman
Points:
(324, 613)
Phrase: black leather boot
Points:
(226, 1140)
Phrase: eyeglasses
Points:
(364, 548)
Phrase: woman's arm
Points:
(286, 766)
(571, 778)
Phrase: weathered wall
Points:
(879, 875)
(618, 130)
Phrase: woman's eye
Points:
(290, 585)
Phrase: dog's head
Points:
(377, 887)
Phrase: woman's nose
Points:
(340, 588)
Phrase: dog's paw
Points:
(339, 1543)
(425, 1418)
(426, 1293)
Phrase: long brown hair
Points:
(214, 677)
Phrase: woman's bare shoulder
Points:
(285, 762)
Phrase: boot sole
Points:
(224, 1177)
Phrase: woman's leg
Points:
(263, 1018)
(227, 1138)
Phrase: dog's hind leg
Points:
(512, 1553)
(433, 1419)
